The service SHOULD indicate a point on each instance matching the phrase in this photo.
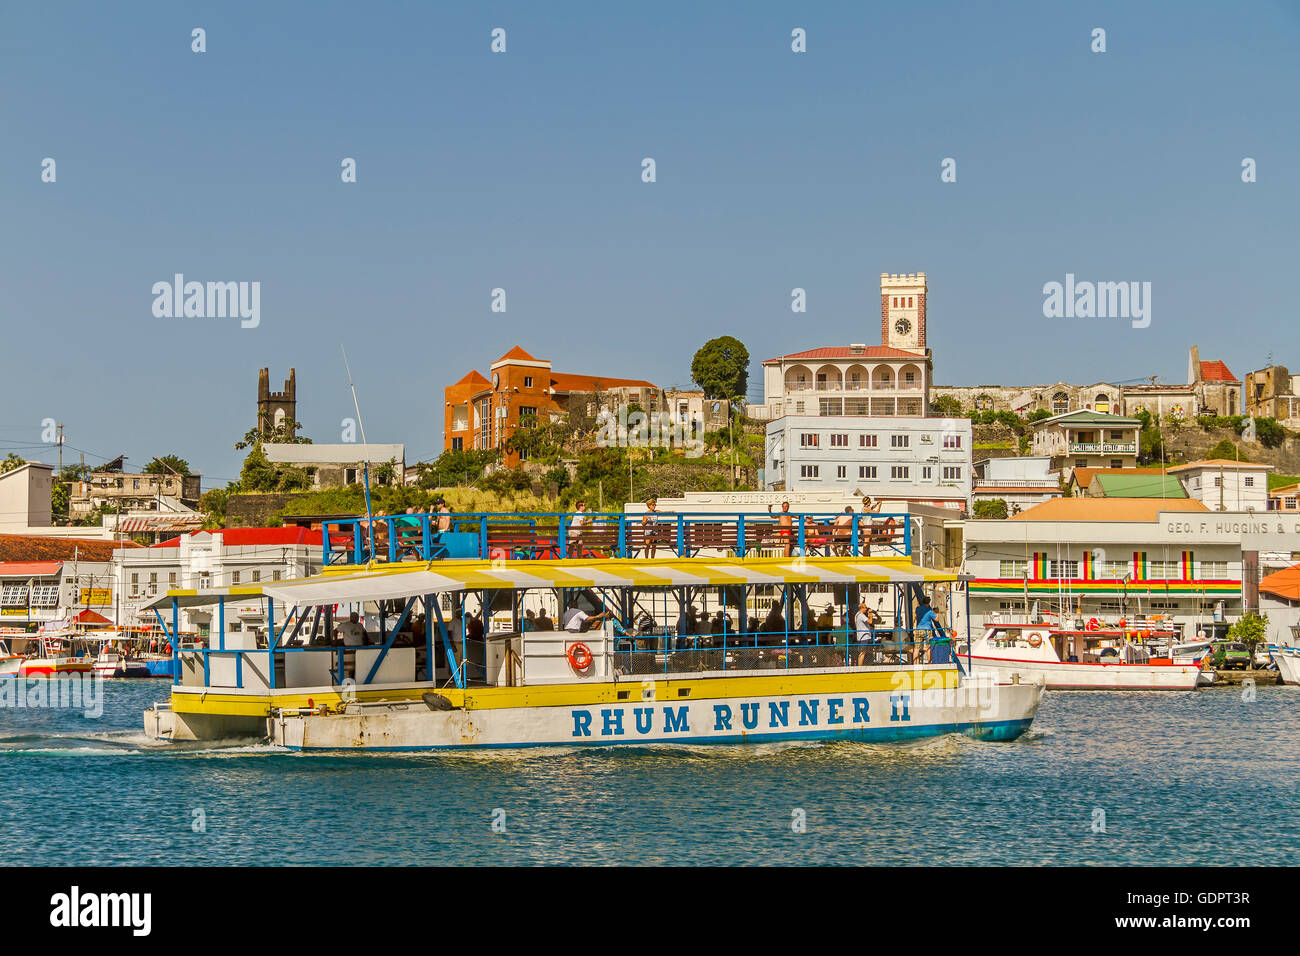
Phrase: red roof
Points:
(35, 547)
(473, 378)
(245, 537)
(1215, 371)
(518, 353)
(91, 617)
(848, 352)
(564, 382)
(21, 569)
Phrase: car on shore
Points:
(1229, 655)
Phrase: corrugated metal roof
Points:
(1107, 509)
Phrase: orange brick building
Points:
(481, 413)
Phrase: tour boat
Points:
(1096, 658)
(456, 661)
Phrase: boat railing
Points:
(556, 535)
(646, 656)
(335, 665)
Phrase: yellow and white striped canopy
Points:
(408, 579)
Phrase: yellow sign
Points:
(93, 596)
(15, 611)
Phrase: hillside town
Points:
(1100, 499)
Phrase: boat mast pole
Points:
(370, 517)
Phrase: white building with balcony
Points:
(1085, 439)
(1020, 482)
(887, 380)
(921, 460)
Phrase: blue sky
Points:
(522, 171)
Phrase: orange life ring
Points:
(1035, 640)
(579, 655)
(1093, 624)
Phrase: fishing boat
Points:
(1093, 657)
(452, 653)
(10, 663)
(1287, 657)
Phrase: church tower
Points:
(276, 407)
(902, 311)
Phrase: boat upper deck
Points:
(598, 535)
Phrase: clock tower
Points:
(902, 311)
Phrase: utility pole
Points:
(60, 451)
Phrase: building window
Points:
(257, 575)
(458, 444)
(1080, 463)
(926, 472)
(1250, 481)
(528, 381)
(1012, 569)
(234, 577)
(171, 578)
(839, 441)
(809, 439)
(867, 471)
(1163, 571)
(1060, 403)
(841, 471)
(900, 473)
(1110, 569)
(1064, 569)
(952, 473)
(1214, 570)
(898, 441)
(1218, 482)
(808, 471)
(868, 441)
(951, 441)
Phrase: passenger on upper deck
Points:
(576, 523)
(785, 526)
(842, 535)
(652, 533)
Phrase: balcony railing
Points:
(551, 536)
(852, 387)
(1102, 448)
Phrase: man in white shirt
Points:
(353, 634)
(576, 620)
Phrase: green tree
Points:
(996, 508)
(258, 474)
(946, 406)
(168, 465)
(1250, 629)
(1227, 449)
(281, 434)
(11, 462)
(385, 473)
(721, 367)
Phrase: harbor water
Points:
(1198, 778)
